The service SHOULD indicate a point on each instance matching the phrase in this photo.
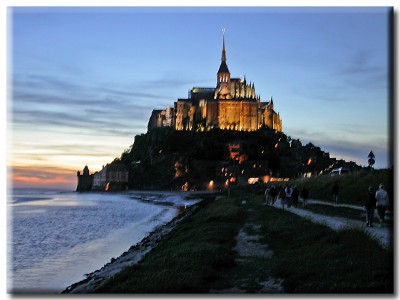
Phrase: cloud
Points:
(362, 71)
(130, 93)
(45, 100)
(362, 75)
(36, 88)
(72, 123)
(55, 149)
(351, 147)
(169, 80)
(63, 105)
(42, 176)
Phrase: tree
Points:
(371, 159)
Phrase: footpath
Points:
(251, 250)
(382, 234)
(204, 241)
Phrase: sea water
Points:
(55, 237)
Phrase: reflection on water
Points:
(55, 238)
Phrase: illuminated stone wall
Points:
(232, 105)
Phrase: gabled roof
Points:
(223, 68)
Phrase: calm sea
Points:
(55, 237)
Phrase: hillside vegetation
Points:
(165, 158)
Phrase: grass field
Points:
(198, 256)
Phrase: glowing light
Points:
(185, 187)
(253, 180)
(211, 185)
(278, 179)
(266, 179)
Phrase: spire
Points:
(223, 68)
(223, 57)
(271, 103)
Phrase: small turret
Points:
(85, 181)
(271, 103)
(86, 171)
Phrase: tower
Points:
(85, 180)
(86, 171)
(223, 75)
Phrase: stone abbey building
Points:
(232, 105)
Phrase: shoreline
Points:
(136, 253)
(230, 243)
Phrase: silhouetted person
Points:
(304, 195)
(295, 196)
(272, 194)
(382, 202)
(288, 195)
(335, 192)
(370, 202)
(267, 195)
(282, 197)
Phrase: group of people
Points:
(289, 196)
(376, 199)
(286, 195)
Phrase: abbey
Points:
(232, 105)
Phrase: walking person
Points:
(382, 202)
(267, 196)
(295, 196)
(282, 198)
(272, 194)
(288, 196)
(335, 192)
(370, 202)
(304, 195)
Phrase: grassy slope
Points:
(191, 257)
(352, 187)
(197, 256)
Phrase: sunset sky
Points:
(83, 81)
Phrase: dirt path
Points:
(383, 235)
(249, 246)
(249, 249)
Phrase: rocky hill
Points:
(164, 158)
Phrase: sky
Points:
(82, 82)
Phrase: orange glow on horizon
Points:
(39, 177)
(32, 182)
